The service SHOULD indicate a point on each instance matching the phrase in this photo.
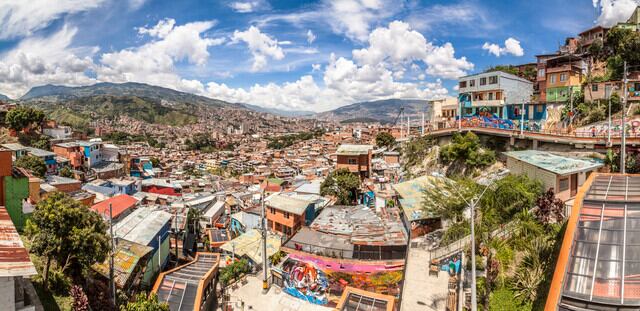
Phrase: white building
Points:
(494, 92)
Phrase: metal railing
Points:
(355, 253)
(631, 132)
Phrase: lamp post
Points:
(522, 119)
(623, 142)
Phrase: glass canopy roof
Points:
(604, 265)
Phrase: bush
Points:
(234, 271)
(59, 283)
(503, 299)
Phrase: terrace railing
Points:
(355, 253)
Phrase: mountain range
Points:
(167, 101)
(384, 111)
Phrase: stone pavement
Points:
(423, 292)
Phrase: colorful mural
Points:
(303, 278)
(487, 120)
(305, 281)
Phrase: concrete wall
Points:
(7, 293)
(154, 264)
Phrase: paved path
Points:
(274, 300)
(423, 292)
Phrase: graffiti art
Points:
(305, 281)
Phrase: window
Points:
(463, 84)
(483, 81)
(552, 78)
(564, 184)
(493, 80)
(594, 87)
(273, 210)
(352, 161)
(541, 72)
(286, 215)
(563, 77)
(472, 83)
(491, 96)
(540, 108)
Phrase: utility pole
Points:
(623, 142)
(265, 284)
(522, 119)
(422, 124)
(175, 228)
(459, 114)
(474, 300)
(408, 127)
(111, 264)
(609, 125)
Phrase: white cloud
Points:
(614, 11)
(316, 67)
(41, 60)
(511, 46)
(310, 36)
(23, 17)
(261, 45)
(398, 45)
(463, 19)
(249, 6)
(154, 62)
(353, 18)
(136, 4)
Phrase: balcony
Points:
(563, 68)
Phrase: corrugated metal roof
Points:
(127, 257)
(287, 203)
(362, 225)
(554, 163)
(249, 244)
(347, 149)
(411, 194)
(14, 257)
(142, 225)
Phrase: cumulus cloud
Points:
(399, 45)
(154, 62)
(248, 6)
(41, 60)
(22, 18)
(261, 45)
(614, 11)
(511, 46)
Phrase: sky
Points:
(291, 55)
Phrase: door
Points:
(574, 184)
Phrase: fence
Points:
(383, 253)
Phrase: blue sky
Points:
(302, 55)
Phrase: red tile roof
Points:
(119, 204)
(14, 258)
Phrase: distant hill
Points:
(54, 93)
(4, 97)
(384, 111)
(280, 112)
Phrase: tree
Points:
(466, 149)
(67, 172)
(22, 117)
(448, 199)
(384, 139)
(341, 184)
(549, 208)
(143, 302)
(34, 164)
(68, 232)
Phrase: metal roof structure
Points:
(599, 264)
(554, 163)
(14, 257)
(411, 195)
(248, 244)
(362, 225)
(127, 257)
(142, 225)
(287, 204)
(354, 299)
(347, 149)
(183, 288)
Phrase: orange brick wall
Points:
(294, 221)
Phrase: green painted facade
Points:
(15, 191)
(560, 94)
(153, 265)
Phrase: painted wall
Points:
(372, 276)
(15, 191)
(155, 265)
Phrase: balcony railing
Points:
(354, 253)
